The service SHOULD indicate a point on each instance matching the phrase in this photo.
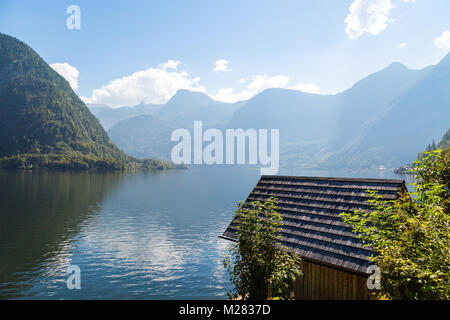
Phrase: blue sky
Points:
(323, 46)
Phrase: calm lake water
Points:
(133, 235)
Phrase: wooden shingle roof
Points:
(310, 207)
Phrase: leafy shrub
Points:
(411, 235)
(257, 258)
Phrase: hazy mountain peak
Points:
(185, 96)
(185, 100)
(396, 65)
(394, 73)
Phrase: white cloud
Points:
(153, 85)
(367, 16)
(68, 72)
(228, 95)
(170, 64)
(443, 41)
(158, 85)
(402, 45)
(221, 65)
(260, 83)
(307, 87)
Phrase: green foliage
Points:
(444, 143)
(40, 113)
(411, 235)
(44, 124)
(257, 257)
(78, 161)
(433, 170)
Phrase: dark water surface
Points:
(133, 235)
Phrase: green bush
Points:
(411, 235)
(257, 258)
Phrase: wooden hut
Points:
(335, 264)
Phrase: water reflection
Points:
(135, 235)
(40, 213)
(159, 235)
(138, 235)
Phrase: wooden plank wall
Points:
(325, 283)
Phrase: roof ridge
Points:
(312, 190)
(398, 181)
(320, 184)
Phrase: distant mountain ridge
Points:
(385, 119)
(109, 116)
(418, 114)
(368, 99)
(149, 135)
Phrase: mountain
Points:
(43, 123)
(109, 116)
(312, 117)
(143, 136)
(299, 116)
(362, 105)
(420, 113)
(184, 101)
(384, 119)
(149, 135)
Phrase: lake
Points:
(139, 235)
